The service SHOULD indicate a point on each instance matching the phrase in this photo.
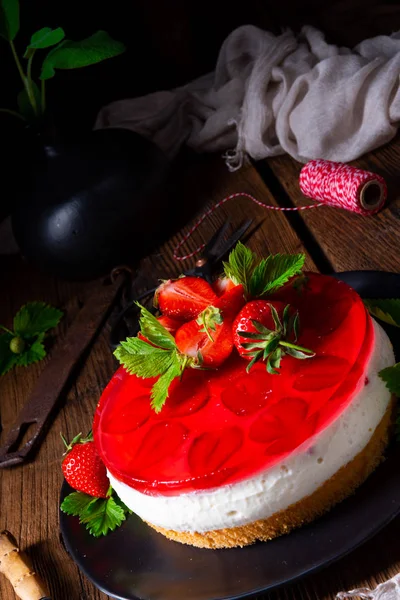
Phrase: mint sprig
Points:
(155, 356)
(386, 310)
(24, 345)
(99, 515)
(261, 277)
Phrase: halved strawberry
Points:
(231, 301)
(211, 346)
(268, 331)
(184, 298)
(171, 325)
(222, 285)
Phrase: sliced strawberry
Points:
(257, 310)
(184, 298)
(212, 450)
(171, 325)
(231, 301)
(222, 285)
(193, 341)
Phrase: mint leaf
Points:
(240, 265)
(74, 504)
(159, 392)
(154, 331)
(9, 19)
(73, 55)
(391, 376)
(44, 38)
(7, 358)
(33, 354)
(386, 310)
(142, 359)
(102, 515)
(35, 318)
(273, 272)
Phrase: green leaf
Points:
(386, 310)
(24, 105)
(159, 392)
(76, 503)
(33, 354)
(44, 38)
(154, 331)
(240, 265)
(35, 318)
(73, 55)
(142, 359)
(102, 515)
(391, 376)
(9, 19)
(273, 272)
(7, 358)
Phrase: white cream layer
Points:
(298, 476)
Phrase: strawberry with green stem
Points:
(267, 331)
(94, 501)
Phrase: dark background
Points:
(169, 42)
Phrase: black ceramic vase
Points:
(92, 205)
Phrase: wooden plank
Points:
(29, 495)
(351, 241)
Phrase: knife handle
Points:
(18, 569)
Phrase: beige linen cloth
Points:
(274, 94)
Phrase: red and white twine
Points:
(333, 184)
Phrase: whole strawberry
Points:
(83, 469)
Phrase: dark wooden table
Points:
(333, 240)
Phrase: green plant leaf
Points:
(73, 55)
(387, 310)
(44, 38)
(154, 331)
(9, 19)
(7, 358)
(35, 318)
(273, 272)
(142, 359)
(240, 265)
(391, 376)
(24, 105)
(159, 392)
(74, 504)
(33, 354)
(102, 515)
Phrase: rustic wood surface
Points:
(29, 494)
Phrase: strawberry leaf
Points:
(159, 392)
(75, 503)
(102, 515)
(35, 318)
(386, 310)
(33, 354)
(154, 331)
(273, 272)
(391, 377)
(240, 265)
(142, 359)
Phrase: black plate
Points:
(135, 562)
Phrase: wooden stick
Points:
(18, 569)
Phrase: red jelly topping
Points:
(222, 426)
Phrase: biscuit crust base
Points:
(341, 485)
